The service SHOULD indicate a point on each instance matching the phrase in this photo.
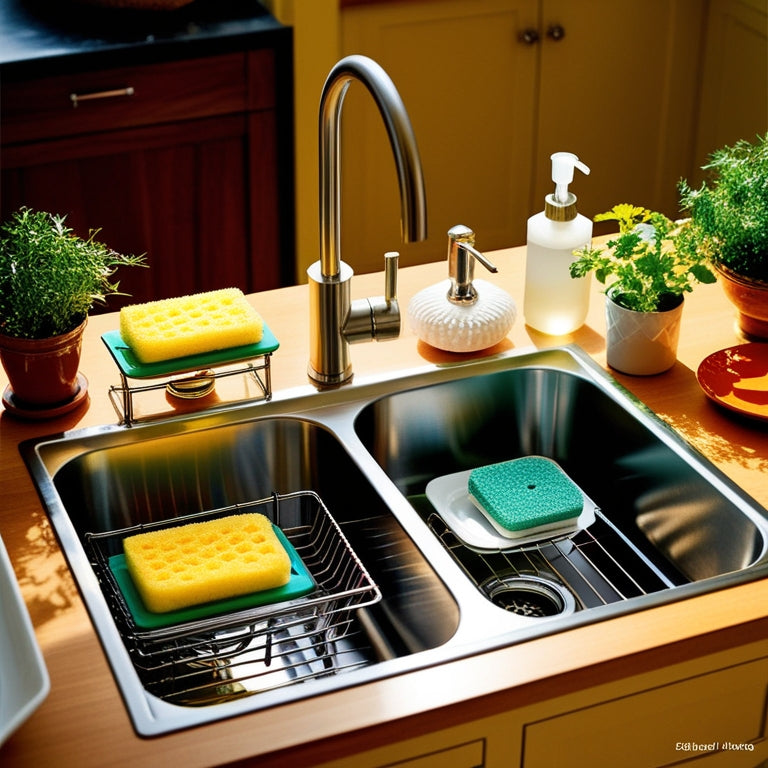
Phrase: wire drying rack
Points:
(218, 658)
(594, 566)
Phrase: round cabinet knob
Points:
(556, 32)
(529, 36)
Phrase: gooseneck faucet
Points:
(335, 320)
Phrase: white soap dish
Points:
(449, 496)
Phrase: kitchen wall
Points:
(694, 79)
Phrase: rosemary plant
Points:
(49, 277)
(729, 215)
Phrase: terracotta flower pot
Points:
(750, 297)
(42, 372)
(642, 343)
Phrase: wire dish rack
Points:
(594, 566)
(217, 658)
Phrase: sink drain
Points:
(529, 596)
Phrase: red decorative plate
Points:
(737, 378)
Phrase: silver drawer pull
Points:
(76, 98)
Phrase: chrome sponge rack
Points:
(234, 654)
(188, 378)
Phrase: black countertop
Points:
(44, 37)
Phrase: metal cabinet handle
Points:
(76, 98)
(556, 32)
(529, 36)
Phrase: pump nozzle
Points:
(563, 164)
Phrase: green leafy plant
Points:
(49, 277)
(642, 268)
(729, 215)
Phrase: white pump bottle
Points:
(555, 303)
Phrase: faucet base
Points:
(329, 303)
(325, 381)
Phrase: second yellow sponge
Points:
(190, 325)
(175, 568)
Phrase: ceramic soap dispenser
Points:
(461, 314)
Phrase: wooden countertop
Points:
(83, 720)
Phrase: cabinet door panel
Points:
(169, 192)
(268, 259)
(221, 249)
(619, 90)
(469, 88)
(704, 716)
(734, 101)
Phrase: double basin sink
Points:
(667, 525)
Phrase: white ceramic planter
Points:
(641, 343)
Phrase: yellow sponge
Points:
(190, 325)
(175, 568)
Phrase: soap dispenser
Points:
(554, 302)
(461, 314)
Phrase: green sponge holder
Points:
(233, 648)
(300, 583)
(252, 360)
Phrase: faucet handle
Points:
(385, 315)
(391, 259)
(377, 317)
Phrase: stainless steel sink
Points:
(668, 525)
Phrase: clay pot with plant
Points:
(49, 280)
(729, 225)
(646, 277)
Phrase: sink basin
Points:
(113, 481)
(661, 523)
(667, 525)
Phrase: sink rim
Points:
(336, 411)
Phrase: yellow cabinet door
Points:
(619, 88)
(734, 92)
(495, 87)
(469, 87)
(717, 715)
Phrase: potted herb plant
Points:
(646, 277)
(49, 280)
(729, 224)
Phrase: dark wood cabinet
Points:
(187, 161)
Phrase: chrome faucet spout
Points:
(335, 321)
(410, 178)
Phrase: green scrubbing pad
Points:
(525, 495)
